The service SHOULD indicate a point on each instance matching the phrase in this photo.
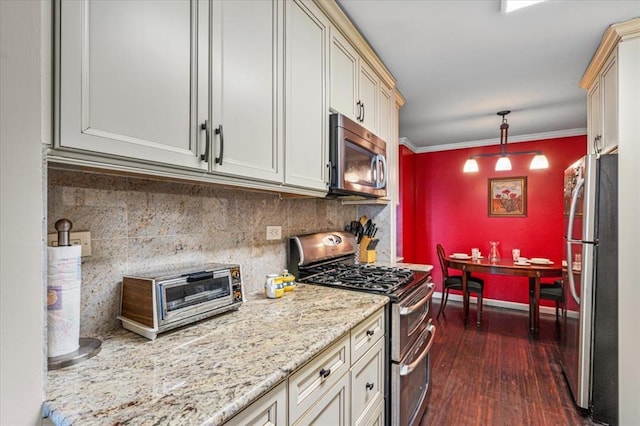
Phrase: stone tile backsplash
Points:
(142, 225)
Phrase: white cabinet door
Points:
(344, 70)
(385, 104)
(246, 137)
(594, 119)
(354, 84)
(331, 409)
(317, 377)
(609, 102)
(367, 383)
(306, 122)
(129, 79)
(368, 91)
(269, 410)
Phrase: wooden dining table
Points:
(507, 267)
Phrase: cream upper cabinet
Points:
(611, 82)
(594, 119)
(245, 135)
(603, 108)
(354, 84)
(306, 107)
(609, 102)
(130, 79)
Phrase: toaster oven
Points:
(155, 303)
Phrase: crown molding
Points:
(610, 39)
(406, 142)
(343, 24)
(495, 141)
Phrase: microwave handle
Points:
(381, 183)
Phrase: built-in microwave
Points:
(358, 163)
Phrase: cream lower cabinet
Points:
(343, 385)
(269, 410)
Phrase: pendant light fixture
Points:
(539, 161)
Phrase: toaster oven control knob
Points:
(235, 273)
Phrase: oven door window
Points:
(362, 168)
(196, 291)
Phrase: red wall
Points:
(451, 207)
(406, 212)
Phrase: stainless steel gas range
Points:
(328, 258)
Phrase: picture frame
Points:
(508, 197)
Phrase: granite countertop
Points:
(207, 372)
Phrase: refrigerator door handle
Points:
(572, 213)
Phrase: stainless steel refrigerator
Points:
(589, 334)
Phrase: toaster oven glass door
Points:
(195, 293)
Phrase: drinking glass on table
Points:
(516, 254)
(475, 253)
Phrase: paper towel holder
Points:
(88, 346)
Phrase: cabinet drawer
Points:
(270, 409)
(309, 383)
(367, 383)
(332, 408)
(366, 334)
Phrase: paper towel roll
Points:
(63, 300)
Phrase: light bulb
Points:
(471, 165)
(503, 164)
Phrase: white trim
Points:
(546, 310)
(493, 141)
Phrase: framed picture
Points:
(508, 197)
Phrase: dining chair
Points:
(454, 282)
(552, 291)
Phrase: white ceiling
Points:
(458, 62)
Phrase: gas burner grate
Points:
(382, 279)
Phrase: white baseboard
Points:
(544, 310)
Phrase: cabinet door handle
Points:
(330, 174)
(219, 132)
(369, 386)
(370, 333)
(325, 373)
(362, 106)
(596, 143)
(358, 104)
(205, 126)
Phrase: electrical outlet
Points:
(77, 238)
(274, 232)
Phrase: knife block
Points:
(366, 256)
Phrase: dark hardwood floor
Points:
(497, 374)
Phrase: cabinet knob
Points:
(370, 333)
(325, 373)
(369, 386)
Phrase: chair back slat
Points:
(443, 261)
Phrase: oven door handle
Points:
(408, 310)
(406, 369)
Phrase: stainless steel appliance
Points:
(589, 347)
(327, 258)
(155, 303)
(358, 159)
